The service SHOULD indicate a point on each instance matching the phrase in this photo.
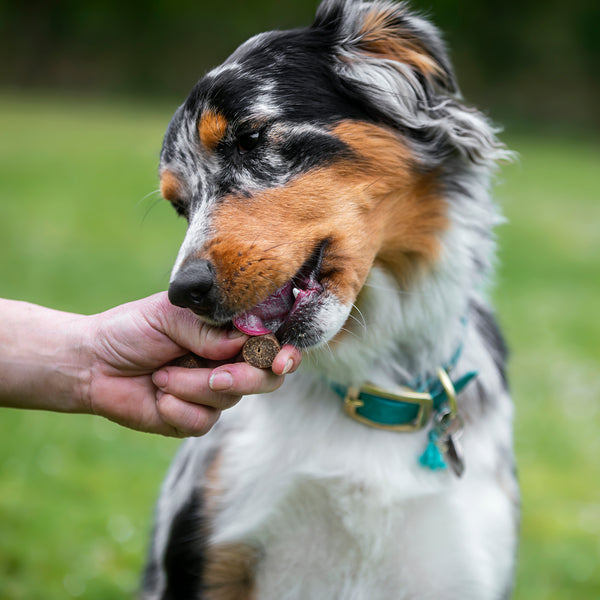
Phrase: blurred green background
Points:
(86, 91)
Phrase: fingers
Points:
(218, 344)
(287, 361)
(185, 419)
(190, 401)
(194, 386)
(220, 388)
(240, 378)
(184, 328)
(212, 343)
(139, 337)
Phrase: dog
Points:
(337, 189)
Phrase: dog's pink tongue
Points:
(267, 316)
(250, 324)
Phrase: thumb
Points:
(191, 333)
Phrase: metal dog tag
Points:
(449, 428)
(454, 455)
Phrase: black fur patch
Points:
(184, 553)
(490, 332)
(150, 577)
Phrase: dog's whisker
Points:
(362, 321)
(150, 208)
(144, 198)
(253, 243)
(271, 258)
(349, 332)
(281, 244)
(268, 279)
(272, 270)
(328, 346)
(362, 324)
(257, 295)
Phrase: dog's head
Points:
(309, 156)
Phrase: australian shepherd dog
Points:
(337, 190)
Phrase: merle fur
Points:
(300, 70)
(490, 332)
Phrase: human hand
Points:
(132, 384)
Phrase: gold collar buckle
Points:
(424, 400)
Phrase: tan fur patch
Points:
(376, 207)
(229, 572)
(380, 36)
(414, 208)
(212, 487)
(211, 128)
(170, 186)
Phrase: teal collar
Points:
(404, 409)
(407, 408)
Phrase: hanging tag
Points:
(448, 427)
(454, 455)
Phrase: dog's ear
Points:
(390, 33)
(397, 61)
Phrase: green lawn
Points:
(81, 229)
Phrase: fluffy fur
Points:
(339, 162)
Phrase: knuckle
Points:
(165, 407)
(191, 385)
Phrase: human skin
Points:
(115, 364)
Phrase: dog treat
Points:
(189, 361)
(260, 350)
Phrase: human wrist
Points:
(45, 362)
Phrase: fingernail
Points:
(160, 378)
(289, 365)
(220, 381)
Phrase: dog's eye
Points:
(248, 141)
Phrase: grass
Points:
(81, 230)
(548, 296)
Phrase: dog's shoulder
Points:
(177, 551)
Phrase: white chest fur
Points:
(340, 510)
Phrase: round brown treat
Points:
(260, 351)
(189, 361)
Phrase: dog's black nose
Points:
(193, 286)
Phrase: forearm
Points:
(44, 362)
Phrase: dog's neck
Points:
(395, 336)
